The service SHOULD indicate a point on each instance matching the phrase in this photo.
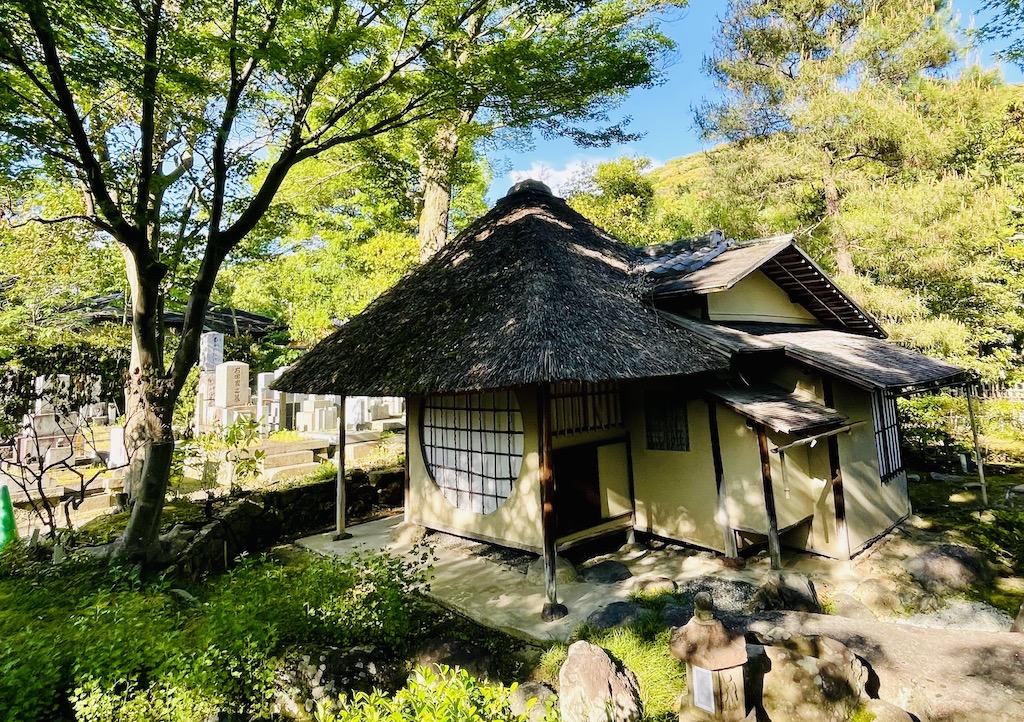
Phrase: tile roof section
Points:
(684, 256)
(865, 361)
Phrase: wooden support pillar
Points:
(408, 479)
(977, 448)
(722, 514)
(549, 528)
(339, 511)
(836, 472)
(774, 548)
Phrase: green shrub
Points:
(443, 696)
(120, 648)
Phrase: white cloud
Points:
(560, 179)
(557, 179)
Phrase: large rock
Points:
(390, 486)
(789, 591)
(608, 571)
(565, 572)
(529, 700)
(654, 586)
(676, 615)
(617, 614)
(880, 598)
(846, 606)
(304, 679)
(949, 567)
(595, 688)
(240, 527)
(886, 712)
(408, 533)
(469, 656)
(811, 679)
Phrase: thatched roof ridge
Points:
(532, 292)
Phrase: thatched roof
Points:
(532, 292)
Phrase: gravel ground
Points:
(961, 614)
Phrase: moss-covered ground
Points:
(955, 514)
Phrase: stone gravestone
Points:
(231, 396)
(211, 350)
(118, 452)
(265, 397)
(211, 355)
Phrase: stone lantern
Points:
(714, 660)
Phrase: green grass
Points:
(106, 528)
(644, 649)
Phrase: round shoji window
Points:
(473, 445)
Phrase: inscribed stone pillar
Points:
(231, 385)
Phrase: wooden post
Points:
(977, 448)
(549, 528)
(340, 532)
(774, 548)
(836, 471)
(408, 479)
(722, 515)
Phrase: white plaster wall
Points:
(675, 490)
(757, 298)
(871, 506)
(613, 470)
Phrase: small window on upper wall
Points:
(579, 407)
(667, 426)
(887, 435)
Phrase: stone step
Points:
(288, 458)
(96, 502)
(362, 450)
(388, 425)
(283, 447)
(290, 472)
(354, 437)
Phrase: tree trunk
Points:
(144, 525)
(844, 259)
(143, 421)
(149, 407)
(437, 161)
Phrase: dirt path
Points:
(937, 675)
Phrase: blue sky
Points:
(664, 113)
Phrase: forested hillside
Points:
(898, 172)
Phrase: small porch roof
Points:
(779, 410)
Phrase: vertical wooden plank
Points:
(977, 448)
(774, 548)
(716, 454)
(549, 530)
(836, 470)
(340, 532)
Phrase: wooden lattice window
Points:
(579, 407)
(668, 427)
(887, 435)
(473, 445)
